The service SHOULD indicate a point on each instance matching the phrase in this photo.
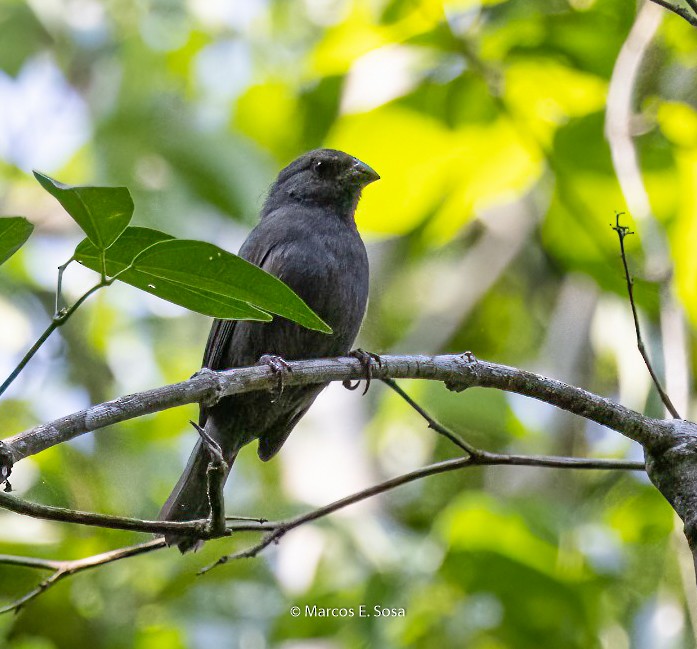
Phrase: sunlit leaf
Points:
(14, 231)
(103, 213)
(427, 168)
(684, 233)
(678, 121)
(548, 94)
(410, 151)
(263, 113)
(478, 522)
(495, 165)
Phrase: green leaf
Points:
(103, 213)
(121, 254)
(14, 231)
(206, 266)
(134, 241)
(198, 276)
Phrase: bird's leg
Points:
(280, 368)
(367, 360)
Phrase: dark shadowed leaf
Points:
(199, 276)
(14, 231)
(102, 212)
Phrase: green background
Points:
(489, 231)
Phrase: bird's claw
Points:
(280, 368)
(367, 360)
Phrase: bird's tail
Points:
(189, 498)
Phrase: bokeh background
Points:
(490, 123)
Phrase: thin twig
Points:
(622, 232)
(276, 530)
(479, 458)
(59, 286)
(558, 462)
(47, 512)
(482, 457)
(58, 320)
(680, 11)
(216, 473)
(64, 569)
(432, 423)
(284, 527)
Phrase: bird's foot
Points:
(368, 360)
(280, 368)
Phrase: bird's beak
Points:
(363, 174)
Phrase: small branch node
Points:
(215, 392)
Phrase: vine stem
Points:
(58, 320)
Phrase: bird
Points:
(307, 237)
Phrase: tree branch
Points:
(46, 512)
(458, 372)
(275, 530)
(62, 569)
(206, 529)
(479, 458)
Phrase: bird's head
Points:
(324, 177)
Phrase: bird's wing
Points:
(222, 331)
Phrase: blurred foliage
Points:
(489, 231)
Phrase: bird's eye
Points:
(322, 168)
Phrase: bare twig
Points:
(622, 232)
(480, 458)
(680, 11)
(276, 530)
(62, 569)
(46, 512)
(215, 475)
(284, 527)
(432, 423)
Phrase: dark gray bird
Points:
(306, 237)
